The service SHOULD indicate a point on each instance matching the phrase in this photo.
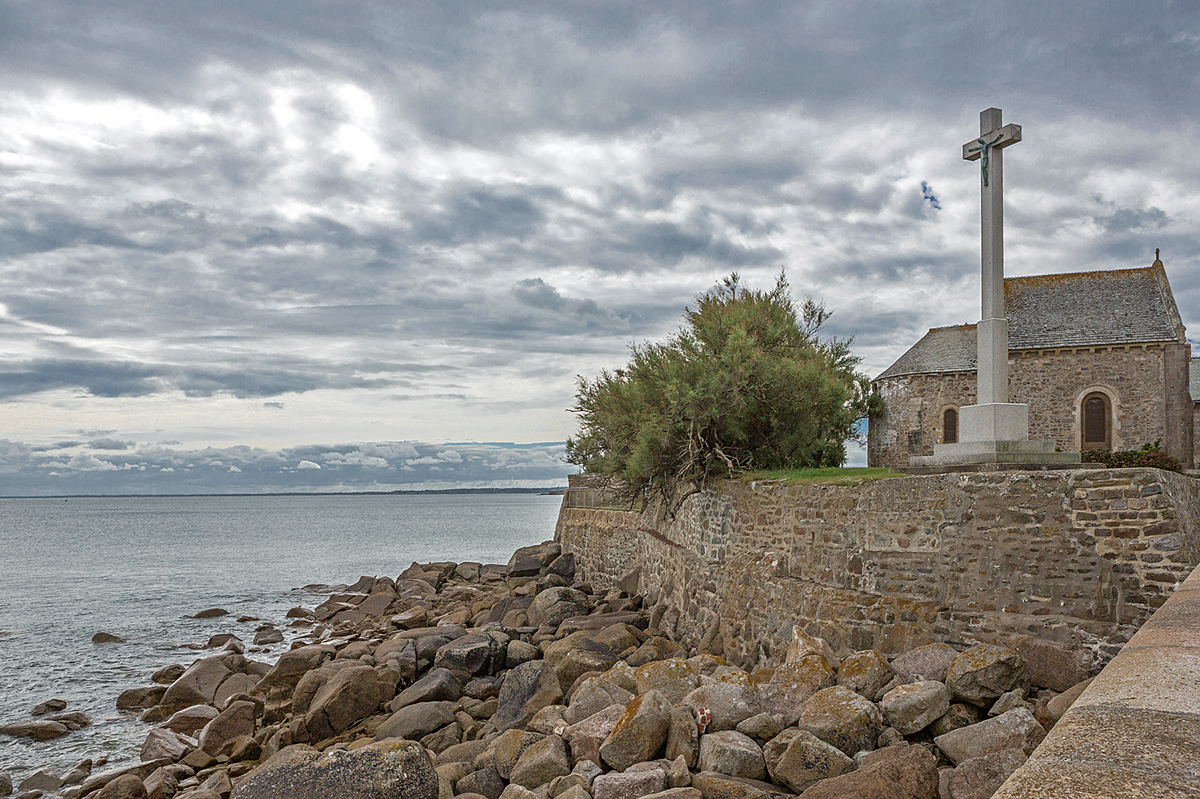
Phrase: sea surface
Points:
(139, 567)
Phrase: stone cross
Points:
(992, 330)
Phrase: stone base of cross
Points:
(994, 432)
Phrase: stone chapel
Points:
(1100, 358)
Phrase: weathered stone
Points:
(797, 758)
(959, 715)
(911, 708)
(134, 698)
(161, 784)
(236, 684)
(980, 777)
(348, 696)
(484, 782)
(983, 672)
(519, 652)
(49, 706)
(1060, 704)
(526, 689)
(438, 685)
(508, 748)
(211, 613)
(413, 722)
(732, 698)
(674, 678)
(897, 772)
(630, 785)
(197, 685)
(762, 727)
(865, 673)
(722, 786)
(593, 695)
(585, 737)
(124, 787)
(268, 637)
(619, 636)
(233, 721)
(655, 648)
(1016, 729)
(72, 720)
(108, 638)
(40, 781)
(790, 686)
(168, 674)
(37, 730)
(683, 737)
(541, 762)
(291, 666)
(640, 732)
(842, 718)
(139, 770)
(555, 605)
(191, 719)
(575, 655)
(928, 662)
(733, 753)
(472, 655)
(514, 791)
(1053, 665)
(162, 743)
(1009, 700)
(391, 769)
(676, 793)
(548, 720)
(6, 786)
(802, 645)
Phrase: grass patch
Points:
(829, 475)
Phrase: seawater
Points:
(139, 567)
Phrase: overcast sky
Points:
(308, 245)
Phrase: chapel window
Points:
(950, 426)
(1097, 422)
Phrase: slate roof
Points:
(1079, 309)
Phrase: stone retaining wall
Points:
(1082, 557)
(1135, 731)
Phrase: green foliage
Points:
(746, 384)
(1150, 455)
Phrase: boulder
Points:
(575, 655)
(526, 689)
(731, 698)
(438, 685)
(722, 786)
(913, 707)
(162, 784)
(108, 638)
(346, 698)
(555, 605)
(232, 722)
(733, 753)
(267, 637)
(485, 782)
(674, 678)
(508, 747)
(168, 674)
(803, 645)
(211, 613)
(630, 785)
(139, 698)
(72, 720)
(983, 672)
(842, 718)
(1016, 729)
(40, 781)
(593, 695)
(762, 727)
(124, 787)
(639, 733)
(49, 706)
(786, 693)
(683, 736)
(191, 719)
(392, 769)
(896, 772)
(291, 666)
(6, 785)
(234, 685)
(585, 737)
(37, 730)
(980, 777)
(928, 662)
(139, 770)
(1053, 665)
(472, 655)
(162, 743)
(416, 721)
(798, 759)
(1060, 704)
(197, 685)
(541, 762)
(865, 673)
(655, 648)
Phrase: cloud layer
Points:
(272, 224)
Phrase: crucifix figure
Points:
(992, 330)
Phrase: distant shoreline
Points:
(545, 490)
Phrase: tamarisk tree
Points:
(747, 383)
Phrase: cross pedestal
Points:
(993, 432)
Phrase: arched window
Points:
(950, 426)
(1097, 422)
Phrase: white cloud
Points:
(307, 465)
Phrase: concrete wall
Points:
(1146, 385)
(1082, 557)
(1135, 731)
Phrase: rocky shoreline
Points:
(518, 680)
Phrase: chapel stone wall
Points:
(911, 421)
(1082, 557)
